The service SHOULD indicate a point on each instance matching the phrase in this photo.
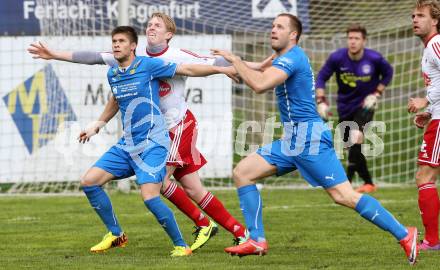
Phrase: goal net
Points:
(45, 104)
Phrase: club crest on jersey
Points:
(132, 71)
(115, 90)
(164, 89)
(366, 69)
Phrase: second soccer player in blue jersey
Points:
(306, 145)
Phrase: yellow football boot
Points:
(110, 241)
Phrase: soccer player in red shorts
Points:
(426, 19)
(184, 158)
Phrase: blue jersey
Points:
(137, 93)
(296, 96)
(307, 143)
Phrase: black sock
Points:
(361, 163)
(352, 163)
(351, 169)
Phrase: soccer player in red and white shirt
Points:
(184, 158)
(426, 23)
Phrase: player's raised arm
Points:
(38, 50)
(196, 70)
(259, 81)
(261, 66)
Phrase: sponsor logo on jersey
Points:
(38, 106)
(164, 88)
(115, 90)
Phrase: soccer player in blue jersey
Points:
(306, 144)
(361, 75)
(143, 149)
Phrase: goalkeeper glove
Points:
(370, 101)
(323, 108)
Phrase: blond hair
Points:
(434, 9)
(170, 25)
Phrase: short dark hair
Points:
(295, 24)
(128, 30)
(357, 28)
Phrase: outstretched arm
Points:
(261, 66)
(196, 70)
(39, 50)
(110, 110)
(259, 81)
(42, 51)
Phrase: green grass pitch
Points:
(304, 228)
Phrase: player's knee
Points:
(338, 198)
(348, 200)
(85, 182)
(196, 193)
(242, 177)
(237, 174)
(192, 191)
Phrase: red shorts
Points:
(430, 149)
(183, 152)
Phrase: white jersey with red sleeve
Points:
(431, 75)
(172, 91)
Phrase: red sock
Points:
(429, 209)
(215, 209)
(178, 197)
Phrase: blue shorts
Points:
(149, 166)
(314, 157)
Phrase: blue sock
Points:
(370, 209)
(166, 219)
(101, 203)
(251, 205)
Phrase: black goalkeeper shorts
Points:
(360, 117)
